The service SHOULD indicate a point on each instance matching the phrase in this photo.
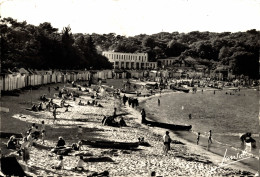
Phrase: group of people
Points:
(39, 107)
(62, 150)
(133, 102)
(93, 103)
(23, 147)
(110, 121)
(209, 138)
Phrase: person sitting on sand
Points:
(12, 143)
(244, 137)
(40, 108)
(166, 142)
(60, 94)
(60, 142)
(122, 122)
(60, 164)
(79, 166)
(34, 108)
(80, 103)
(36, 133)
(77, 146)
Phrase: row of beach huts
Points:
(20, 78)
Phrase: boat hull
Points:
(168, 126)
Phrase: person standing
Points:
(166, 142)
(25, 148)
(114, 114)
(43, 136)
(210, 137)
(54, 114)
(198, 138)
(143, 114)
(159, 102)
(124, 99)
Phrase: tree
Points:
(175, 48)
(148, 42)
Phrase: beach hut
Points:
(101, 75)
(6, 74)
(58, 76)
(109, 74)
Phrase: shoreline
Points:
(182, 160)
(215, 154)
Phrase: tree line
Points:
(43, 47)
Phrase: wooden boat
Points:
(123, 91)
(8, 135)
(179, 89)
(110, 144)
(168, 126)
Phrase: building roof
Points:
(23, 71)
(222, 68)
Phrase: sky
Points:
(133, 17)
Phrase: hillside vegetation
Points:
(43, 47)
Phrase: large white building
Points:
(130, 60)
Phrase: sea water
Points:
(227, 113)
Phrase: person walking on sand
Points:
(143, 116)
(166, 142)
(114, 114)
(198, 138)
(210, 137)
(25, 148)
(54, 114)
(159, 102)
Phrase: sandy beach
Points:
(184, 159)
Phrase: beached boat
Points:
(123, 91)
(110, 144)
(168, 126)
(179, 88)
(9, 134)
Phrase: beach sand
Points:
(184, 159)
